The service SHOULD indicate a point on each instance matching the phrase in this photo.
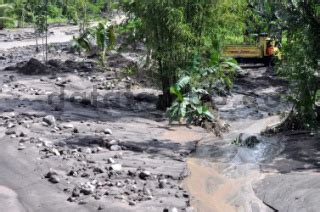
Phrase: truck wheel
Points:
(267, 61)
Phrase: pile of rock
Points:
(35, 67)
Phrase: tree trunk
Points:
(166, 98)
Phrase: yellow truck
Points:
(263, 51)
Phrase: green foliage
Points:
(102, 36)
(40, 13)
(77, 11)
(54, 11)
(175, 30)
(301, 63)
(4, 9)
(20, 12)
(188, 103)
(217, 75)
(192, 91)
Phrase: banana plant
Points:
(105, 39)
(101, 38)
(192, 91)
(188, 104)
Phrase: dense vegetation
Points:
(184, 40)
(72, 11)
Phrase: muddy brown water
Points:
(221, 174)
(221, 182)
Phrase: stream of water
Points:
(222, 174)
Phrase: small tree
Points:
(41, 25)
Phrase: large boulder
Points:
(246, 140)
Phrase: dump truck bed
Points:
(242, 51)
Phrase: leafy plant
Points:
(216, 77)
(188, 103)
(101, 38)
(192, 92)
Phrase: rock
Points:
(132, 173)
(76, 192)
(53, 176)
(186, 195)
(67, 126)
(72, 173)
(85, 174)
(174, 210)
(115, 148)
(116, 167)
(22, 140)
(144, 175)
(51, 173)
(22, 134)
(120, 197)
(71, 199)
(50, 120)
(146, 97)
(119, 155)
(147, 191)
(107, 131)
(8, 110)
(54, 179)
(55, 152)
(110, 143)
(218, 100)
(87, 189)
(132, 203)
(10, 132)
(190, 209)
(111, 160)
(98, 170)
(83, 202)
(162, 183)
(21, 148)
(87, 150)
(47, 143)
(10, 125)
(246, 140)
